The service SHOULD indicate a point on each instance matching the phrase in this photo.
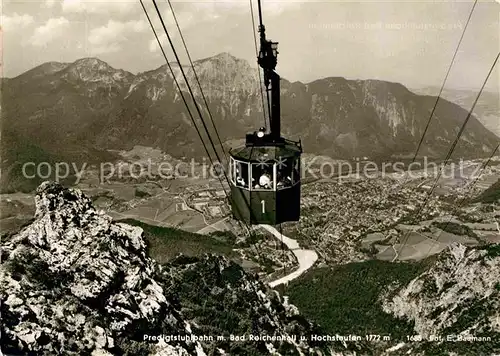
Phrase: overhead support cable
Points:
(453, 146)
(182, 95)
(464, 198)
(194, 100)
(197, 79)
(444, 82)
(187, 84)
(175, 79)
(405, 181)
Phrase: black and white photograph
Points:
(250, 177)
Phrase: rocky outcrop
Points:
(459, 296)
(74, 282)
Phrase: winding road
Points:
(306, 258)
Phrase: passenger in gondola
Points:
(239, 179)
(280, 181)
(265, 181)
(283, 180)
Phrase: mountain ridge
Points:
(90, 103)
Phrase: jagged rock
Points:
(458, 295)
(74, 282)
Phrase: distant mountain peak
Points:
(93, 64)
(91, 61)
(224, 57)
(93, 70)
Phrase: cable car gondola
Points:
(265, 173)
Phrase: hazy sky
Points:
(411, 42)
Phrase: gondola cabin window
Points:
(263, 176)
(288, 173)
(240, 173)
(284, 173)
